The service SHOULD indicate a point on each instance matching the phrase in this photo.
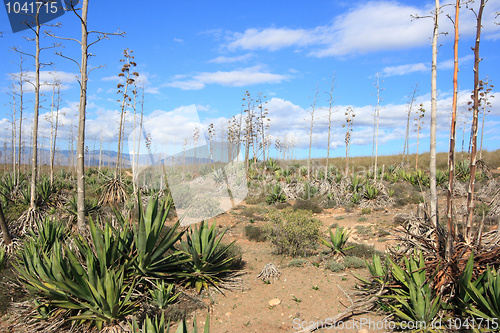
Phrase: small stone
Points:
(228, 314)
(364, 330)
(274, 302)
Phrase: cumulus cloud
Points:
(236, 78)
(227, 60)
(270, 38)
(142, 81)
(66, 80)
(368, 27)
(404, 69)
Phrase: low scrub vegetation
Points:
(293, 233)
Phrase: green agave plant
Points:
(276, 195)
(378, 270)
(272, 165)
(3, 257)
(484, 292)
(210, 261)
(357, 184)
(371, 192)
(338, 241)
(415, 299)
(153, 254)
(163, 294)
(8, 186)
(356, 198)
(441, 177)
(85, 292)
(218, 175)
(44, 190)
(47, 233)
(158, 326)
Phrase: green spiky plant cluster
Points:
(276, 195)
(412, 297)
(3, 257)
(99, 281)
(210, 260)
(338, 241)
(159, 326)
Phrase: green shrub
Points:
(354, 262)
(335, 266)
(297, 263)
(272, 165)
(365, 211)
(441, 177)
(311, 205)
(204, 207)
(293, 233)
(482, 209)
(255, 233)
(255, 199)
(364, 230)
(362, 251)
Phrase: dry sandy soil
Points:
(307, 294)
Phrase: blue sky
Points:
(208, 54)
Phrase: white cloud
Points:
(369, 27)
(404, 69)
(46, 80)
(288, 122)
(449, 64)
(142, 80)
(421, 67)
(270, 38)
(237, 78)
(226, 60)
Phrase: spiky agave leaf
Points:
(209, 258)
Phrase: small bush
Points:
(354, 262)
(416, 198)
(362, 219)
(204, 207)
(365, 211)
(293, 233)
(255, 199)
(481, 209)
(335, 266)
(297, 263)
(362, 251)
(255, 233)
(311, 205)
(364, 230)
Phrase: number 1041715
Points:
(31, 8)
